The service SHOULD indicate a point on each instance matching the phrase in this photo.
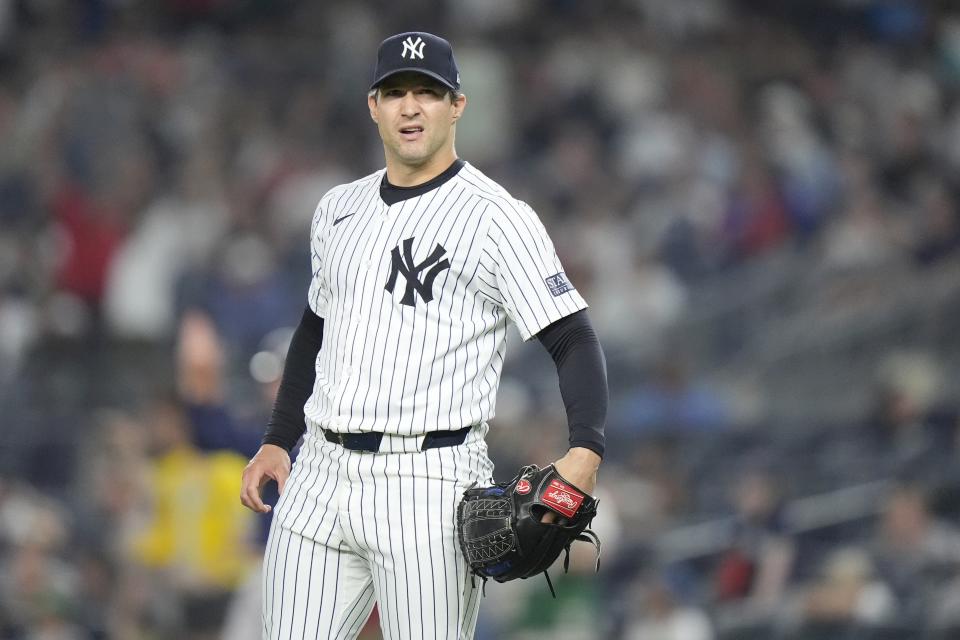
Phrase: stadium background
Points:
(758, 198)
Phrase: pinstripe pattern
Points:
(388, 535)
(353, 528)
(399, 369)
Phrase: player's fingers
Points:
(549, 517)
(253, 495)
(245, 498)
(280, 474)
(250, 491)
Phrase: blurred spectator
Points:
(912, 431)
(40, 589)
(862, 237)
(41, 594)
(638, 305)
(848, 593)
(92, 232)
(674, 402)
(18, 333)
(663, 614)
(805, 166)
(916, 553)
(113, 481)
(216, 427)
(144, 275)
(246, 293)
(197, 537)
(205, 390)
(653, 492)
(757, 567)
(756, 219)
(938, 235)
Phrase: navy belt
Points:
(370, 440)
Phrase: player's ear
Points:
(459, 104)
(373, 105)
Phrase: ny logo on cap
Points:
(415, 47)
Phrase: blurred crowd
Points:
(759, 200)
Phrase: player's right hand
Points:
(270, 463)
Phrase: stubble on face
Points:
(414, 115)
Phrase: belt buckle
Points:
(337, 437)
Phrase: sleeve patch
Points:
(558, 284)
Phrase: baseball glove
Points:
(500, 531)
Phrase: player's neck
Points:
(404, 175)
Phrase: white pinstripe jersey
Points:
(416, 296)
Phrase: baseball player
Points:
(392, 373)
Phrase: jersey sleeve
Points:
(318, 296)
(528, 279)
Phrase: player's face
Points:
(415, 116)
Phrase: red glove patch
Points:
(562, 497)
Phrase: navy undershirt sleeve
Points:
(582, 370)
(287, 422)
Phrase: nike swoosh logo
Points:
(337, 221)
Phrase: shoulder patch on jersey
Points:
(558, 284)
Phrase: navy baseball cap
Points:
(420, 52)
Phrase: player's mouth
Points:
(411, 133)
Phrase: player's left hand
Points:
(579, 467)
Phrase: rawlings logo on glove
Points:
(500, 530)
(562, 498)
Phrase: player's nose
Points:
(409, 106)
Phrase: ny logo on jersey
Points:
(411, 271)
(414, 47)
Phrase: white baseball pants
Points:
(355, 528)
